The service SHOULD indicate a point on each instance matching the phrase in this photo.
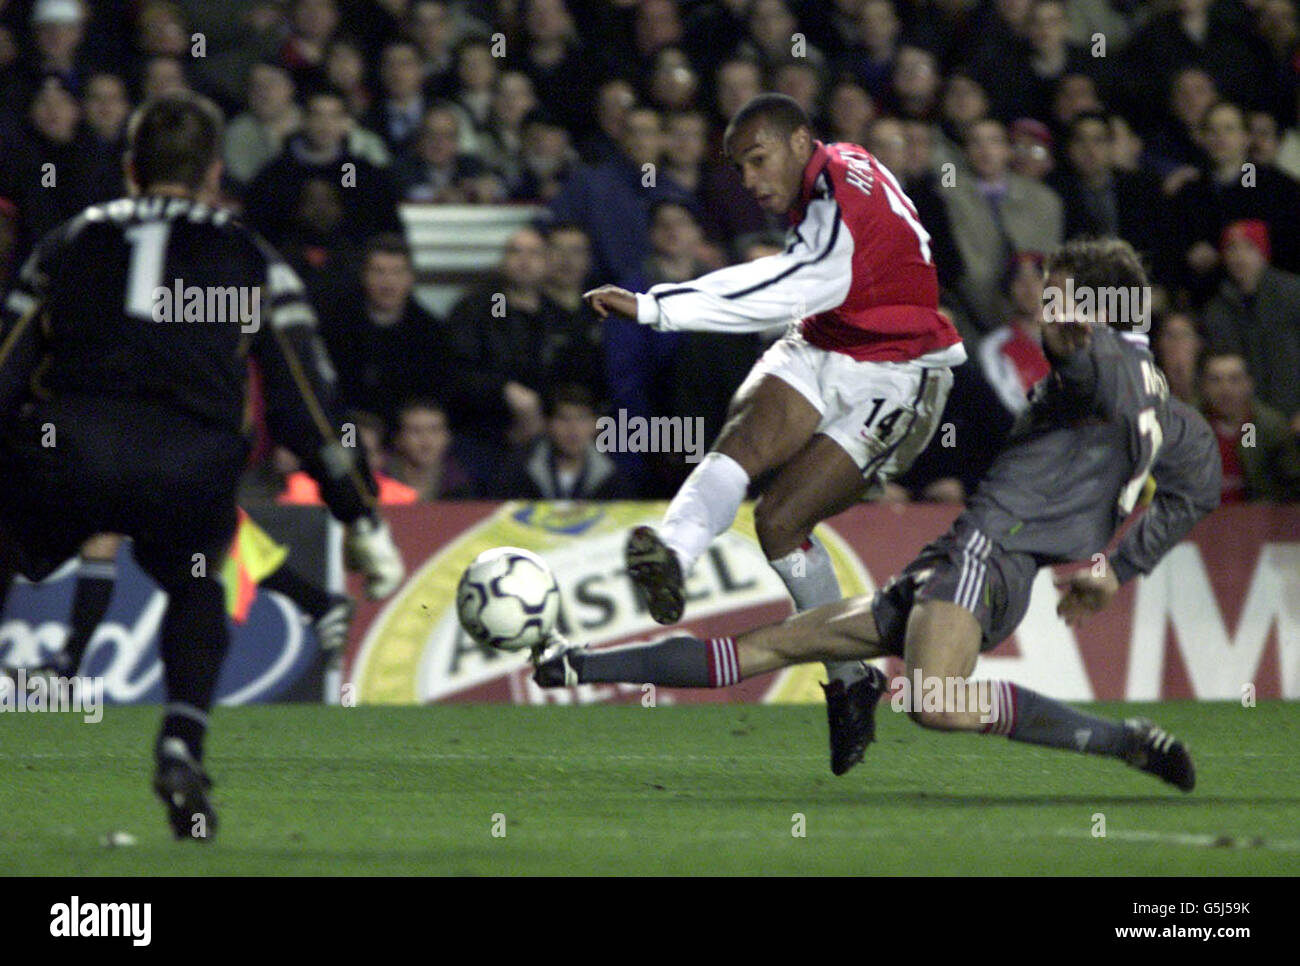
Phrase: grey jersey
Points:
(1078, 458)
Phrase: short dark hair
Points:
(659, 204)
(1102, 263)
(554, 228)
(175, 139)
(569, 394)
(388, 243)
(780, 112)
(420, 402)
(1211, 352)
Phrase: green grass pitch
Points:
(305, 790)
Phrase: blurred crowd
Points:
(1012, 124)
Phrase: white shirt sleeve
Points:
(812, 275)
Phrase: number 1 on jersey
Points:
(144, 276)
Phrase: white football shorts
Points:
(883, 414)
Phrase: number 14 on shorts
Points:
(884, 428)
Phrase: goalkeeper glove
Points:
(369, 548)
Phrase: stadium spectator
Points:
(64, 172)
(1256, 314)
(1263, 137)
(1260, 452)
(502, 144)
(565, 464)
(1101, 199)
(1113, 21)
(612, 200)
(1051, 55)
(577, 340)
(1177, 347)
(849, 110)
(1232, 189)
(476, 77)
(163, 76)
(547, 160)
(422, 453)
(1174, 151)
(312, 24)
(771, 37)
(58, 32)
(1288, 149)
(434, 169)
(1216, 37)
(431, 26)
(1011, 356)
(737, 81)
(259, 134)
(396, 114)
(385, 346)
(106, 106)
(1075, 93)
(317, 246)
(345, 71)
(1031, 149)
(964, 102)
(870, 61)
(994, 213)
(673, 83)
(160, 30)
(501, 330)
(552, 55)
(914, 89)
(614, 99)
(321, 150)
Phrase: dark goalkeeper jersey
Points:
(161, 301)
(1078, 458)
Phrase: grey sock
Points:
(678, 662)
(1025, 715)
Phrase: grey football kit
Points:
(1072, 470)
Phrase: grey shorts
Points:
(966, 568)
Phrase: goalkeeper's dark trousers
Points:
(74, 467)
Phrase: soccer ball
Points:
(508, 599)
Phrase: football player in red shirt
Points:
(843, 402)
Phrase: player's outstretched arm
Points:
(1188, 474)
(812, 275)
(302, 414)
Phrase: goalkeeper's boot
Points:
(183, 787)
(557, 670)
(654, 568)
(1152, 749)
(851, 715)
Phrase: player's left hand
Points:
(611, 298)
(1085, 594)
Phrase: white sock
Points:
(704, 507)
(809, 575)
